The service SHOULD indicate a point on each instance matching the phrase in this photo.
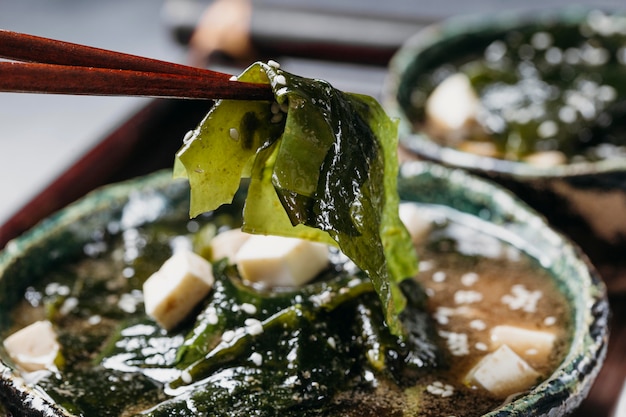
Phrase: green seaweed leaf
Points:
(322, 166)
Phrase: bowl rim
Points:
(569, 383)
(430, 36)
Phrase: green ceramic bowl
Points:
(64, 235)
(575, 196)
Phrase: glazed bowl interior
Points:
(155, 198)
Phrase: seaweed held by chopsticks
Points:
(322, 166)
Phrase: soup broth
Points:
(116, 361)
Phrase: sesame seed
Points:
(275, 107)
(234, 78)
(457, 343)
(188, 136)
(547, 129)
(441, 389)
(273, 64)
(522, 298)
(468, 279)
(332, 343)
(481, 346)
(249, 308)
(439, 276)
(228, 336)
(280, 79)
(233, 133)
(549, 321)
(425, 265)
(253, 327)
(467, 297)
(256, 358)
(212, 316)
(478, 325)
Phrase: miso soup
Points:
(316, 350)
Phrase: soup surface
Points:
(321, 349)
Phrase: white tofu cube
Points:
(277, 261)
(227, 244)
(172, 292)
(33, 348)
(527, 343)
(418, 226)
(453, 104)
(503, 373)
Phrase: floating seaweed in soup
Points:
(485, 322)
(546, 93)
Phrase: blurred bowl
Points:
(583, 197)
(64, 236)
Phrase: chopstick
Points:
(58, 67)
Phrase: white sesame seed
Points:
(273, 64)
(542, 40)
(478, 325)
(95, 319)
(457, 343)
(467, 297)
(253, 326)
(549, 321)
(211, 316)
(481, 346)
(425, 265)
(332, 343)
(280, 79)
(233, 133)
(69, 304)
(275, 107)
(249, 308)
(468, 279)
(228, 336)
(234, 78)
(439, 276)
(188, 136)
(256, 358)
(547, 129)
(522, 298)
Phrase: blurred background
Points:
(345, 42)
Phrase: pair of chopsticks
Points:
(42, 65)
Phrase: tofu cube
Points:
(503, 373)
(453, 104)
(527, 343)
(172, 292)
(227, 244)
(34, 347)
(418, 226)
(276, 261)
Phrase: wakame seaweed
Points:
(322, 166)
(335, 321)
